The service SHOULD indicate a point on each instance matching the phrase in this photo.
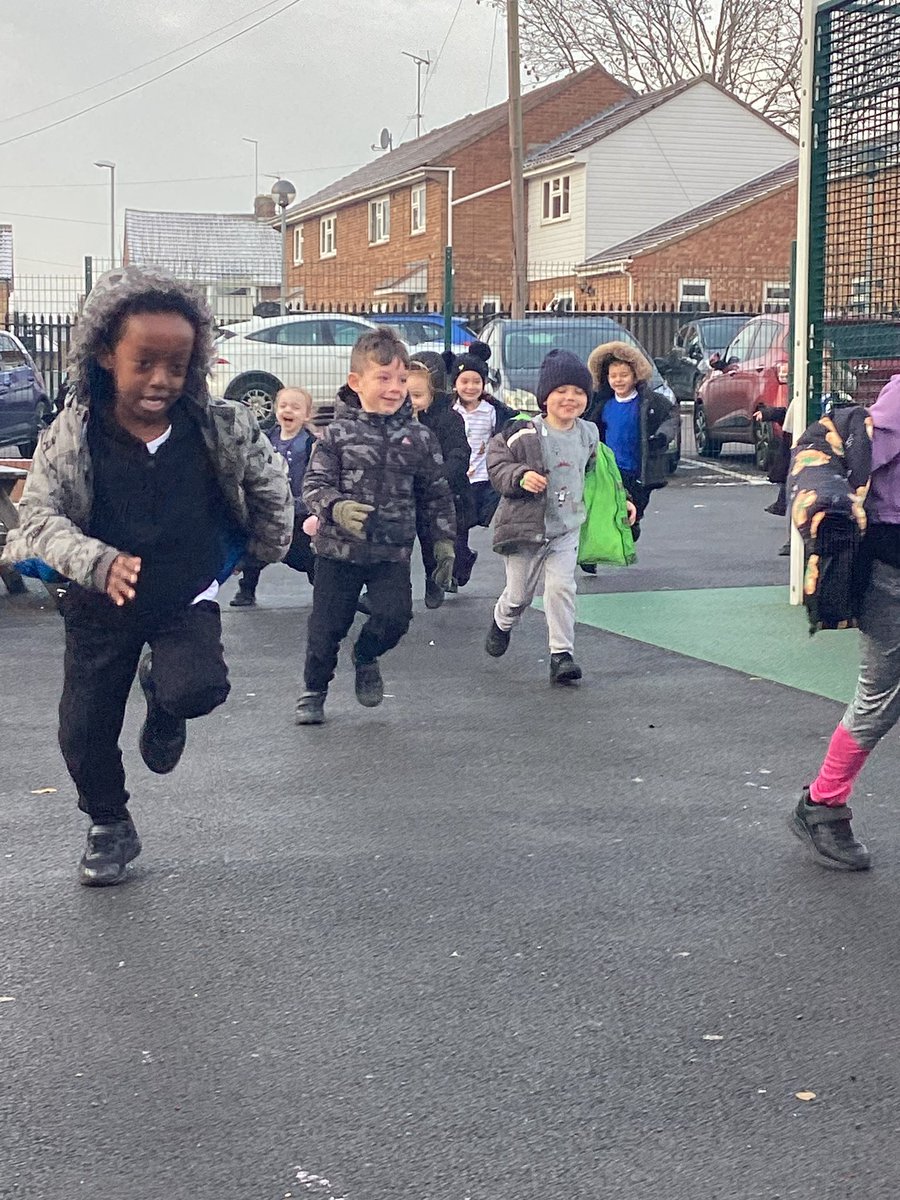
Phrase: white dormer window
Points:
(328, 237)
(379, 220)
(556, 198)
(298, 245)
(417, 209)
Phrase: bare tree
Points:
(751, 47)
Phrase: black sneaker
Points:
(497, 641)
(311, 709)
(776, 509)
(785, 551)
(434, 594)
(243, 599)
(369, 684)
(163, 736)
(589, 568)
(464, 569)
(109, 849)
(827, 831)
(564, 669)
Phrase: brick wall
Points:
(4, 300)
(482, 228)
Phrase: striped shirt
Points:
(480, 423)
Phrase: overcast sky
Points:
(313, 85)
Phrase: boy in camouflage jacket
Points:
(143, 493)
(374, 466)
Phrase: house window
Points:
(556, 198)
(776, 297)
(693, 295)
(417, 208)
(379, 220)
(328, 237)
(298, 245)
(860, 294)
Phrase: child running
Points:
(143, 493)
(293, 440)
(434, 411)
(368, 474)
(483, 416)
(634, 421)
(538, 467)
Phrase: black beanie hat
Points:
(475, 359)
(562, 368)
(436, 366)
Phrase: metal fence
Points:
(854, 284)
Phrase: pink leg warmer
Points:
(843, 762)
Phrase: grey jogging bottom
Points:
(875, 707)
(556, 559)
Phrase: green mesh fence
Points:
(855, 202)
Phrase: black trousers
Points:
(641, 497)
(103, 649)
(300, 557)
(335, 593)
(426, 542)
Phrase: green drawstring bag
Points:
(605, 534)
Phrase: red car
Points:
(861, 356)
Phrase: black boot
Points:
(827, 831)
(785, 550)
(497, 641)
(310, 709)
(163, 736)
(564, 669)
(109, 849)
(369, 684)
(434, 594)
(243, 598)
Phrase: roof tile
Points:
(205, 247)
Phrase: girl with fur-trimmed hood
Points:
(144, 492)
(636, 422)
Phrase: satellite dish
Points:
(385, 140)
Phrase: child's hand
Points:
(122, 576)
(632, 512)
(310, 526)
(532, 482)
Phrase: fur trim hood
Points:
(600, 358)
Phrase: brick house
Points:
(733, 250)
(234, 257)
(377, 236)
(6, 269)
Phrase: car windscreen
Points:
(526, 346)
(864, 339)
(719, 332)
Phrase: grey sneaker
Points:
(564, 669)
(369, 684)
(311, 709)
(497, 641)
(109, 850)
(827, 832)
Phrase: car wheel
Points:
(258, 393)
(704, 443)
(43, 415)
(764, 444)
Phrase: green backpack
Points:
(605, 534)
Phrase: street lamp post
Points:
(283, 193)
(111, 167)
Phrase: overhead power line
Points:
(184, 179)
(28, 112)
(155, 79)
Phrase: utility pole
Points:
(516, 164)
(255, 144)
(420, 63)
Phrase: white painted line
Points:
(729, 471)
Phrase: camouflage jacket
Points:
(392, 463)
(55, 508)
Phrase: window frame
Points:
(329, 223)
(379, 220)
(418, 209)
(556, 188)
(767, 299)
(692, 300)
(298, 245)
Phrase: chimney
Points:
(264, 208)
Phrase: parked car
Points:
(425, 331)
(753, 371)
(518, 347)
(256, 358)
(25, 407)
(687, 364)
(862, 356)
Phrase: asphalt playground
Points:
(490, 941)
